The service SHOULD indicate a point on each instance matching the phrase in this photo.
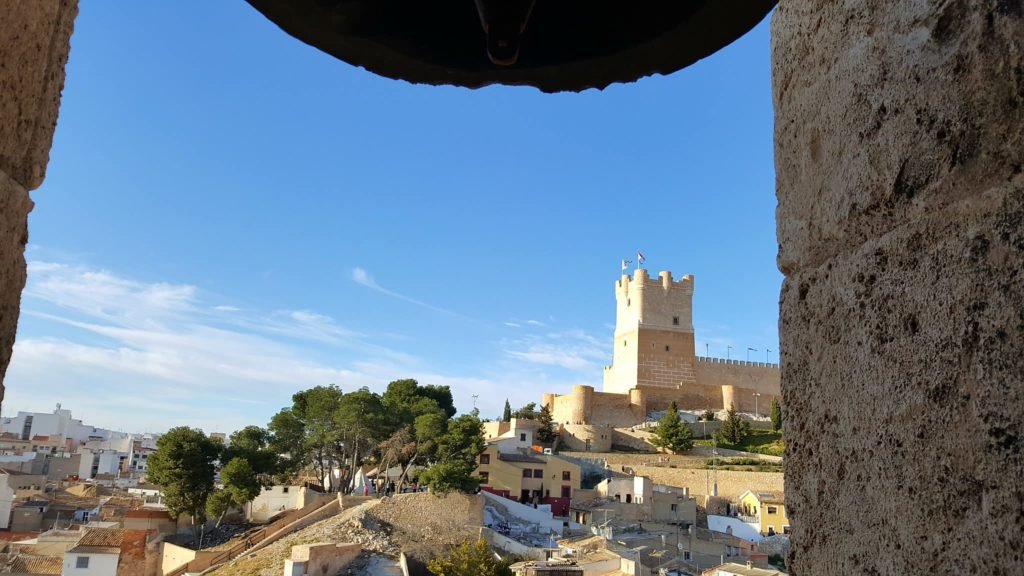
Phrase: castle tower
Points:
(654, 346)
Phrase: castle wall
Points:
(585, 406)
(575, 436)
(742, 380)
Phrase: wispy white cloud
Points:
(573, 350)
(535, 323)
(112, 338)
(363, 278)
(513, 325)
(129, 354)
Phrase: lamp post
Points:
(766, 352)
(728, 352)
(756, 395)
(749, 350)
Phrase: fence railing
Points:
(251, 540)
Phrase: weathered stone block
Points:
(903, 381)
(888, 110)
(34, 45)
(15, 205)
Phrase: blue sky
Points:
(230, 216)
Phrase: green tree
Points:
(672, 433)
(734, 428)
(455, 457)
(183, 466)
(546, 433)
(708, 416)
(776, 414)
(469, 559)
(308, 433)
(363, 423)
(254, 445)
(528, 412)
(240, 481)
(406, 400)
(506, 415)
(218, 504)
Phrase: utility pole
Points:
(756, 395)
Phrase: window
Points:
(566, 491)
(485, 458)
(623, 342)
(566, 475)
(666, 348)
(82, 562)
(675, 320)
(485, 477)
(786, 530)
(522, 436)
(284, 490)
(773, 510)
(527, 473)
(675, 507)
(538, 473)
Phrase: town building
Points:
(748, 569)
(58, 424)
(16, 487)
(634, 499)
(512, 466)
(765, 511)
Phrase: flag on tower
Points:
(640, 257)
(625, 264)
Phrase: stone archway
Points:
(900, 177)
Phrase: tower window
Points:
(627, 301)
(666, 348)
(675, 320)
(623, 342)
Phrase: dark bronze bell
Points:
(554, 45)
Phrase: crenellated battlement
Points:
(712, 360)
(641, 279)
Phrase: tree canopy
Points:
(672, 433)
(455, 457)
(183, 466)
(776, 414)
(734, 428)
(470, 559)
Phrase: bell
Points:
(554, 45)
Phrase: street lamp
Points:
(749, 350)
(728, 352)
(766, 352)
(756, 395)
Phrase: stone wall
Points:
(739, 380)
(34, 46)
(899, 139)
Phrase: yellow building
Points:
(766, 510)
(510, 467)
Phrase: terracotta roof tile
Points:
(111, 537)
(37, 565)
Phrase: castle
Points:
(653, 364)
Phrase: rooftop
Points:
(24, 564)
(507, 457)
(100, 537)
(744, 570)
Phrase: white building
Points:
(97, 553)
(58, 424)
(16, 486)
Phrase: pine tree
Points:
(776, 414)
(546, 433)
(506, 416)
(734, 429)
(470, 559)
(672, 433)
